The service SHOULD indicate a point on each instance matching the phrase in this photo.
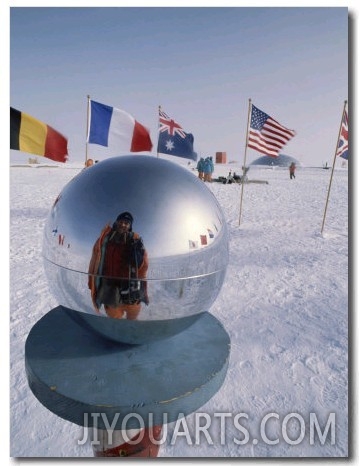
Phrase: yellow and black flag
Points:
(28, 134)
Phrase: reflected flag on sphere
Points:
(210, 233)
(203, 240)
(173, 140)
(193, 244)
(342, 146)
(266, 135)
(30, 135)
(114, 128)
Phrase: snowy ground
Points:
(284, 304)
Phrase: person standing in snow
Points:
(292, 169)
(117, 270)
(200, 168)
(207, 169)
(229, 179)
(211, 169)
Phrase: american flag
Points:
(266, 135)
(342, 146)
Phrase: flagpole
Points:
(159, 108)
(87, 129)
(244, 163)
(333, 167)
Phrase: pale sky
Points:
(201, 64)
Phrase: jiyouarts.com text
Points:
(218, 428)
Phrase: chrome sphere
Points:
(170, 268)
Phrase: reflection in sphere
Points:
(139, 245)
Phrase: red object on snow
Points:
(142, 445)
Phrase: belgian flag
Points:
(30, 135)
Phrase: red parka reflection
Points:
(117, 270)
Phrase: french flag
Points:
(111, 127)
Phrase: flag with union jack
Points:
(173, 140)
(342, 146)
(266, 135)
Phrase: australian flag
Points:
(173, 140)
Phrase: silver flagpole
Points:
(159, 107)
(244, 163)
(333, 167)
(87, 129)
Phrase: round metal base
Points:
(137, 332)
(94, 382)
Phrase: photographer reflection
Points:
(118, 269)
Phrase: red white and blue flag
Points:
(173, 140)
(342, 146)
(266, 135)
(116, 129)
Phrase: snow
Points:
(284, 303)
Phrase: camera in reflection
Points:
(137, 246)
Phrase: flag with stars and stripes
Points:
(173, 140)
(266, 135)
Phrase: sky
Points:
(201, 64)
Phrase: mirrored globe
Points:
(136, 248)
